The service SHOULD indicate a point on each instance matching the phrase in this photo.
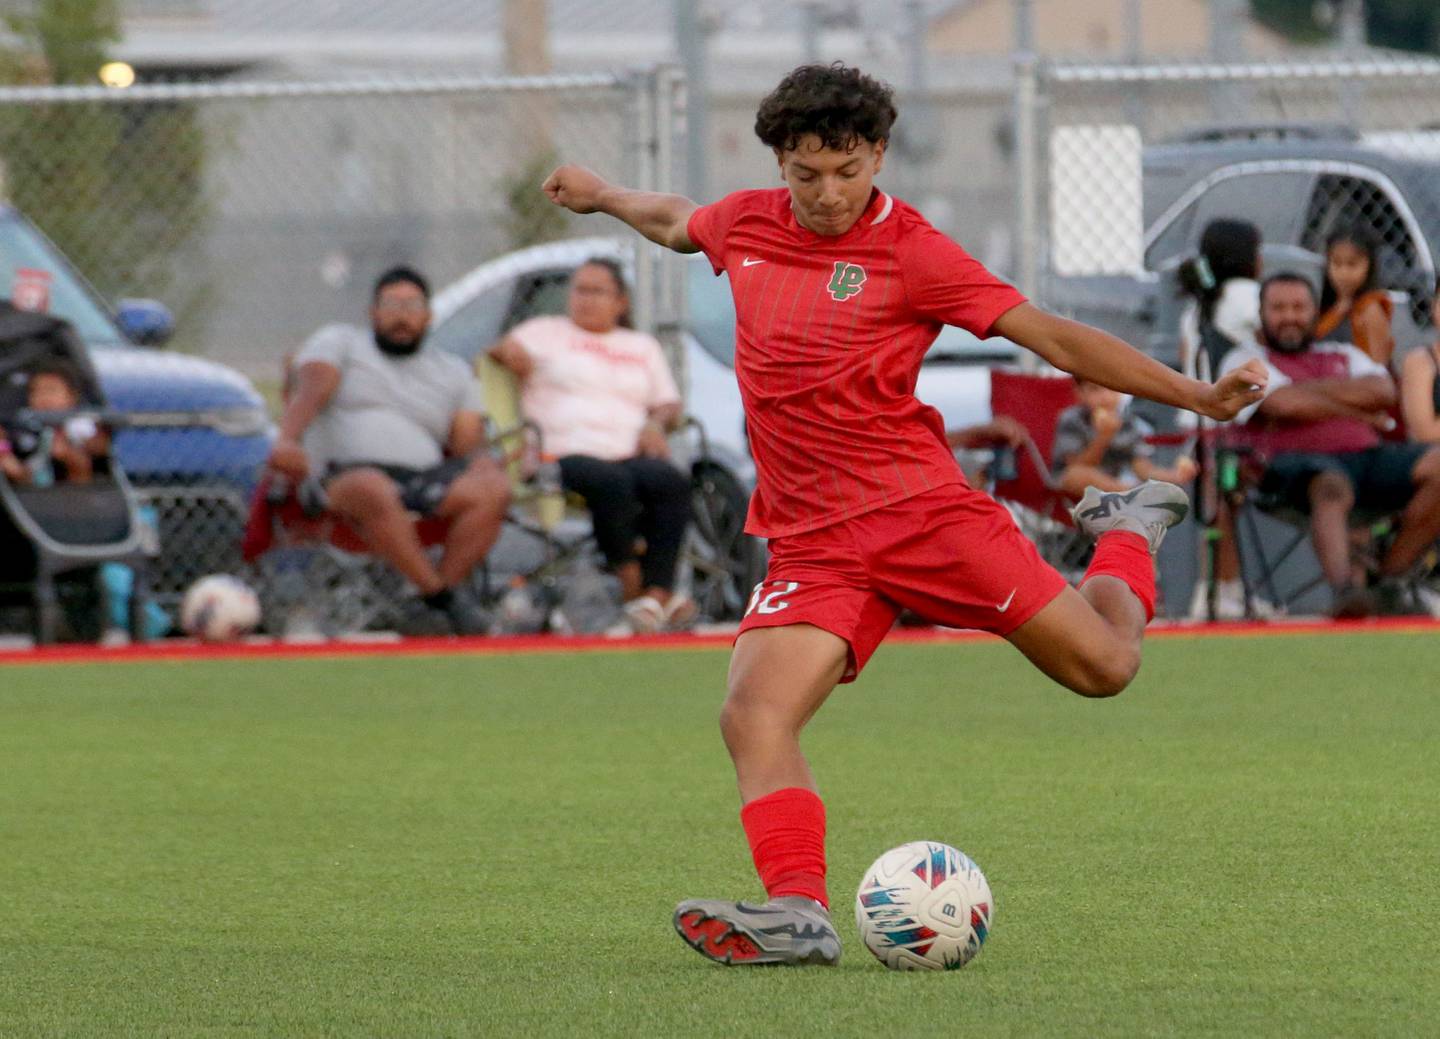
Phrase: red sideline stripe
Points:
(179, 650)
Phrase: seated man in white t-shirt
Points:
(390, 428)
(604, 400)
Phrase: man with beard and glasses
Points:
(391, 428)
(1320, 427)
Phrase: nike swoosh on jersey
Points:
(750, 261)
(1006, 604)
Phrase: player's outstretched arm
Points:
(1100, 357)
(661, 218)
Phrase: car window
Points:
(477, 325)
(1173, 241)
(539, 295)
(22, 249)
(712, 311)
(1272, 201)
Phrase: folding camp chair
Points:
(1041, 509)
(313, 570)
(560, 572)
(719, 563)
(1271, 562)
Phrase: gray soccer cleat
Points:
(1149, 510)
(790, 930)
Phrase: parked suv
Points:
(196, 431)
(1297, 184)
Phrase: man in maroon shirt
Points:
(839, 290)
(1320, 427)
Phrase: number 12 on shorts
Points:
(772, 601)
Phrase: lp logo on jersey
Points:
(848, 280)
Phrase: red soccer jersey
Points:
(829, 335)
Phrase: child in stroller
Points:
(66, 507)
(34, 452)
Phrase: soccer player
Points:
(839, 290)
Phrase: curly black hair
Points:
(838, 104)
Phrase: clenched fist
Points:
(575, 188)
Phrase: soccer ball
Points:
(219, 608)
(924, 906)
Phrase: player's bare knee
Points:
(1107, 673)
(737, 722)
(746, 716)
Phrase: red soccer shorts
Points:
(952, 555)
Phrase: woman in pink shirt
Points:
(604, 400)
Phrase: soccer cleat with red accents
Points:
(1148, 510)
(786, 930)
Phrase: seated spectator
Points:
(1223, 312)
(1224, 290)
(1420, 386)
(1353, 306)
(391, 427)
(1000, 431)
(1100, 443)
(1002, 436)
(38, 453)
(604, 400)
(1319, 427)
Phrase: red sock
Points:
(786, 831)
(1126, 556)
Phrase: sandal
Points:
(681, 613)
(645, 615)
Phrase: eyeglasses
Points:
(403, 306)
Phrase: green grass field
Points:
(1244, 843)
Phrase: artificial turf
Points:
(1245, 842)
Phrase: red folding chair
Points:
(1041, 509)
(1035, 401)
(309, 563)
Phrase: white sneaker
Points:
(1229, 603)
(1429, 598)
(1149, 510)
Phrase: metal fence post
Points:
(1027, 181)
(670, 307)
(646, 88)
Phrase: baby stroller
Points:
(54, 537)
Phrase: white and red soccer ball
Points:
(219, 608)
(924, 906)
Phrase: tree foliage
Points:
(1401, 24)
(118, 186)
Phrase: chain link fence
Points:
(1130, 163)
(1122, 167)
(257, 212)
